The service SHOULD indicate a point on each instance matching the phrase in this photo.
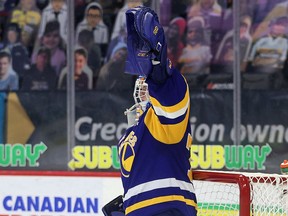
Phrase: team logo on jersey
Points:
(127, 153)
(156, 29)
(142, 54)
(169, 64)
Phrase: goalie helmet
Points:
(141, 98)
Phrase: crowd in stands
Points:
(200, 35)
(207, 58)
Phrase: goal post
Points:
(236, 193)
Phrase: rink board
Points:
(50, 194)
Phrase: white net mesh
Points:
(268, 194)
(217, 198)
(221, 196)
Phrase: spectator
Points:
(121, 38)
(52, 40)
(19, 54)
(112, 76)
(211, 12)
(86, 69)
(280, 10)
(93, 21)
(56, 10)
(260, 9)
(28, 38)
(225, 55)
(41, 76)
(86, 41)
(120, 22)
(81, 78)
(6, 6)
(8, 78)
(80, 7)
(208, 9)
(245, 10)
(26, 13)
(196, 55)
(175, 32)
(269, 53)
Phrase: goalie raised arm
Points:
(154, 152)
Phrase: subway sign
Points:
(229, 157)
(19, 155)
(216, 157)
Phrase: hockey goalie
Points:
(154, 151)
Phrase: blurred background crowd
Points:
(200, 33)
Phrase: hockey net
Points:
(233, 193)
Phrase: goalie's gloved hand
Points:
(147, 48)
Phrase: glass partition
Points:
(64, 90)
(264, 88)
(32, 56)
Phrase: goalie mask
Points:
(141, 98)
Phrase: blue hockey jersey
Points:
(154, 154)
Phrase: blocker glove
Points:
(147, 47)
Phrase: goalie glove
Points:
(147, 47)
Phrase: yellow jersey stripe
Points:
(158, 200)
(168, 134)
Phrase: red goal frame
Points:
(245, 183)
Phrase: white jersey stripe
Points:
(158, 184)
(173, 115)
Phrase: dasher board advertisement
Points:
(56, 195)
